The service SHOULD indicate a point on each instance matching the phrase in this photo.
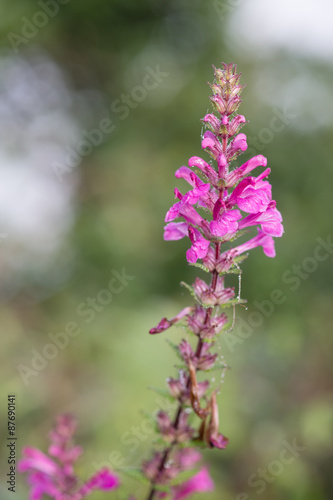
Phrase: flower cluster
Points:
(221, 204)
(55, 477)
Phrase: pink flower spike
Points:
(200, 482)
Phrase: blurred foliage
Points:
(280, 385)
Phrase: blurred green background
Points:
(73, 214)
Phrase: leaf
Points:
(175, 347)
(135, 473)
(183, 476)
(189, 288)
(200, 266)
(238, 235)
(240, 258)
(162, 392)
(233, 302)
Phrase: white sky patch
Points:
(263, 30)
(302, 27)
(36, 209)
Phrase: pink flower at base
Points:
(103, 480)
(200, 482)
(36, 459)
(56, 478)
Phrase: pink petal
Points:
(200, 482)
(175, 231)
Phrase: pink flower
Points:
(270, 221)
(225, 223)
(35, 459)
(262, 239)
(212, 121)
(186, 211)
(178, 230)
(211, 142)
(200, 482)
(207, 170)
(57, 478)
(199, 246)
(245, 169)
(236, 123)
(186, 458)
(252, 194)
(165, 323)
(103, 480)
(207, 328)
(175, 231)
(237, 146)
(183, 206)
(208, 197)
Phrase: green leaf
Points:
(174, 347)
(189, 288)
(200, 266)
(233, 302)
(238, 235)
(162, 392)
(135, 473)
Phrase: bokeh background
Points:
(73, 215)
